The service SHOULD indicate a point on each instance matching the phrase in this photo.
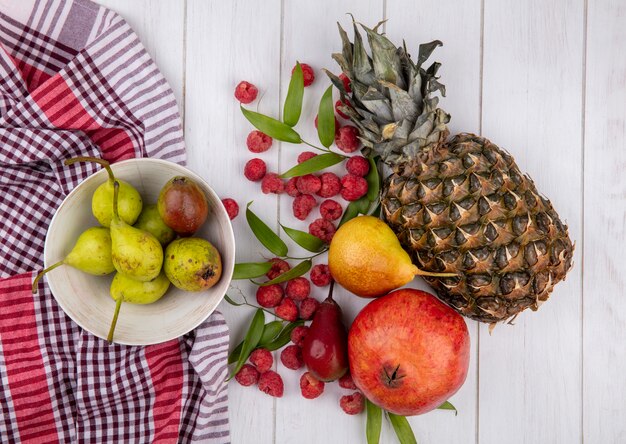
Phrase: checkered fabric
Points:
(75, 80)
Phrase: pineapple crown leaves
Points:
(393, 100)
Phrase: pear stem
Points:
(40, 275)
(432, 273)
(102, 162)
(116, 189)
(330, 291)
(118, 304)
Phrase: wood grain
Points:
(530, 373)
(604, 322)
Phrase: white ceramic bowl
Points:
(85, 298)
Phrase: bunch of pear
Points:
(138, 242)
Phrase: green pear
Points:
(130, 202)
(135, 253)
(149, 220)
(192, 264)
(125, 289)
(91, 253)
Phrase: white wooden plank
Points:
(604, 332)
(310, 36)
(160, 27)
(530, 373)
(457, 25)
(228, 42)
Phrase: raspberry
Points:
(307, 74)
(271, 383)
(322, 229)
(308, 307)
(308, 184)
(320, 275)
(310, 386)
(331, 185)
(346, 382)
(279, 266)
(248, 375)
(287, 310)
(272, 183)
(262, 359)
(269, 296)
(302, 206)
(330, 210)
(298, 288)
(358, 165)
(305, 155)
(337, 124)
(346, 82)
(255, 169)
(246, 92)
(346, 139)
(298, 334)
(258, 142)
(291, 188)
(291, 357)
(354, 187)
(338, 104)
(353, 404)
(231, 207)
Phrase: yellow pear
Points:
(366, 258)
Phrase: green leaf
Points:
(270, 332)
(231, 302)
(264, 234)
(247, 270)
(284, 337)
(251, 340)
(272, 127)
(355, 208)
(317, 163)
(448, 406)
(402, 428)
(373, 181)
(234, 355)
(295, 272)
(293, 102)
(374, 422)
(326, 119)
(305, 240)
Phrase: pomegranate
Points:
(408, 352)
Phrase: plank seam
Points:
(582, 224)
(184, 104)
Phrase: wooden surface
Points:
(546, 81)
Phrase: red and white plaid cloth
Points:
(75, 80)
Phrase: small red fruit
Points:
(255, 169)
(246, 92)
(353, 404)
(353, 187)
(320, 275)
(330, 210)
(298, 334)
(291, 357)
(298, 288)
(279, 267)
(310, 386)
(322, 229)
(287, 310)
(330, 185)
(272, 183)
(308, 307)
(258, 142)
(269, 296)
(291, 189)
(302, 206)
(346, 382)
(262, 359)
(307, 74)
(231, 206)
(346, 139)
(305, 155)
(358, 165)
(408, 352)
(346, 82)
(271, 383)
(308, 184)
(247, 375)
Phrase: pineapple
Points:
(458, 205)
